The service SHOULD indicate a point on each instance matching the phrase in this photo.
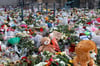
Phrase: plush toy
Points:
(46, 46)
(55, 37)
(86, 52)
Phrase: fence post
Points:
(38, 6)
(41, 7)
(46, 8)
(54, 8)
(22, 6)
(32, 5)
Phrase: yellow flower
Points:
(38, 14)
(62, 53)
(44, 9)
(58, 53)
(48, 9)
(44, 26)
(71, 61)
(68, 64)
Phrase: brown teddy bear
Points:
(46, 46)
(86, 52)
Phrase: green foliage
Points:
(25, 42)
(30, 21)
(98, 57)
(64, 29)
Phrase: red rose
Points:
(25, 29)
(89, 23)
(81, 34)
(53, 12)
(57, 63)
(50, 59)
(98, 19)
(24, 58)
(49, 63)
(30, 30)
(41, 29)
(39, 12)
(2, 26)
(84, 27)
(15, 21)
(72, 49)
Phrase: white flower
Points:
(24, 32)
(3, 47)
(32, 42)
(31, 26)
(0, 42)
(23, 22)
(41, 64)
(66, 55)
(55, 28)
(2, 29)
(28, 32)
(62, 37)
(34, 56)
(76, 42)
(57, 59)
(62, 62)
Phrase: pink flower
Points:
(2, 33)
(92, 12)
(5, 37)
(98, 19)
(23, 25)
(30, 36)
(93, 29)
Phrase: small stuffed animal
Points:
(46, 46)
(55, 37)
(86, 52)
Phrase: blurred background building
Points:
(59, 3)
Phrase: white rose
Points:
(24, 32)
(57, 59)
(34, 56)
(32, 42)
(41, 64)
(3, 47)
(28, 32)
(62, 62)
(0, 42)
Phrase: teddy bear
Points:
(86, 52)
(46, 46)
